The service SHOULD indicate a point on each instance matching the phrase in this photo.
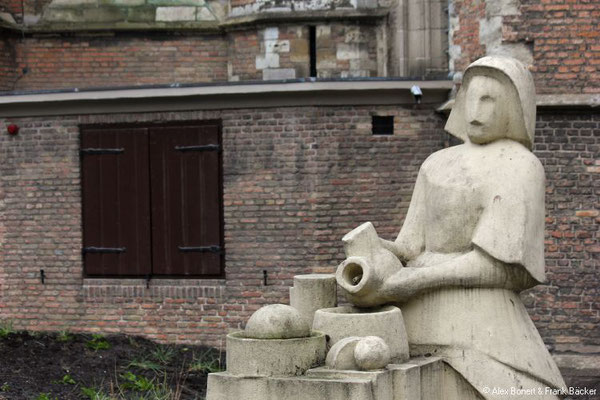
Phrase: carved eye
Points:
(486, 98)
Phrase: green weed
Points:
(45, 396)
(64, 336)
(163, 354)
(207, 362)
(137, 383)
(146, 365)
(94, 394)
(66, 380)
(5, 387)
(98, 342)
(6, 328)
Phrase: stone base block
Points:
(418, 379)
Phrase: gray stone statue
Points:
(473, 238)
(436, 313)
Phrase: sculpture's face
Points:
(486, 110)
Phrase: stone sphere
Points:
(277, 321)
(371, 352)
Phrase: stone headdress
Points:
(521, 124)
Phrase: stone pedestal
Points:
(418, 379)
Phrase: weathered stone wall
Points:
(295, 181)
(275, 53)
(559, 39)
(347, 51)
(247, 7)
(271, 53)
(82, 14)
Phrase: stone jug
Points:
(367, 266)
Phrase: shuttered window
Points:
(152, 200)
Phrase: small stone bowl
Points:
(274, 357)
(386, 322)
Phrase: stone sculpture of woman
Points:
(472, 239)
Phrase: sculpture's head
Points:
(496, 101)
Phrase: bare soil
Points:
(57, 366)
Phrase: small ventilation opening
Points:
(312, 39)
(383, 125)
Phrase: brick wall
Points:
(11, 6)
(466, 35)
(566, 43)
(295, 181)
(120, 60)
(7, 64)
(559, 38)
(243, 48)
(567, 309)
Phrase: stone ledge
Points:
(233, 23)
(225, 96)
(123, 18)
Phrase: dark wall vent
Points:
(383, 125)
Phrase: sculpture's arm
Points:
(472, 269)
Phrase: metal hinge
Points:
(200, 249)
(103, 250)
(206, 147)
(101, 151)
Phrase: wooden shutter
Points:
(116, 207)
(185, 196)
